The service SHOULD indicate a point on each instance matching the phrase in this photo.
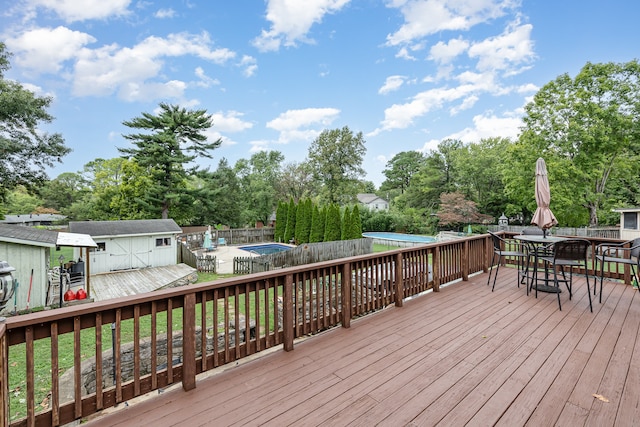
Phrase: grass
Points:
(42, 353)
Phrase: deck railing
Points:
(62, 365)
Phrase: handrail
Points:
(146, 342)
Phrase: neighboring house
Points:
(125, 245)
(629, 223)
(373, 202)
(32, 219)
(28, 250)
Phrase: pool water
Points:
(399, 237)
(267, 249)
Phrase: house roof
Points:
(124, 228)
(627, 210)
(29, 218)
(368, 198)
(22, 234)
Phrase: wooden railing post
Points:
(398, 280)
(287, 312)
(346, 295)
(465, 261)
(189, 342)
(436, 269)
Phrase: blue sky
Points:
(275, 73)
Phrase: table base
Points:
(547, 288)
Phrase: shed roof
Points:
(38, 237)
(125, 227)
(23, 234)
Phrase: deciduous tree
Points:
(26, 150)
(336, 159)
(587, 129)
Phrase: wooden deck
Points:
(117, 284)
(462, 356)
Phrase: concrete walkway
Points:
(224, 257)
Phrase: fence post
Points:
(189, 342)
(398, 281)
(346, 295)
(287, 312)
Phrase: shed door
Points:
(140, 252)
(120, 254)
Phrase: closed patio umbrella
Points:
(543, 217)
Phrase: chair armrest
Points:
(614, 250)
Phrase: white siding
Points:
(24, 258)
(124, 253)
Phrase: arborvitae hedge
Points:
(332, 228)
(281, 222)
(346, 224)
(290, 228)
(356, 223)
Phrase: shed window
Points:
(630, 220)
(164, 241)
(101, 247)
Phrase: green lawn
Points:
(42, 355)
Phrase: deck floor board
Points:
(461, 356)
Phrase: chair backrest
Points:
(533, 231)
(635, 244)
(572, 249)
(497, 241)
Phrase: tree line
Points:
(585, 127)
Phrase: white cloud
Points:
(204, 80)
(467, 103)
(165, 13)
(249, 64)
(134, 91)
(444, 53)
(111, 68)
(513, 46)
(488, 125)
(259, 145)
(292, 20)
(81, 10)
(426, 17)
(392, 83)
(400, 116)
(230, 121)
(45, 49)
(292, 123)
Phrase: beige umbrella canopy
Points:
(543, 217)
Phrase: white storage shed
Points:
(130, 244)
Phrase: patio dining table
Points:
(534, 242)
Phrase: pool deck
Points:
(225, 254)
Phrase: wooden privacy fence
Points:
(309, 253)
(237, 236)
(63, 365)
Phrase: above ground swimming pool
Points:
(399, 237)
(270, 248)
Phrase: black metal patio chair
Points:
(568, 253)
(627, 253)
(507, 248)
